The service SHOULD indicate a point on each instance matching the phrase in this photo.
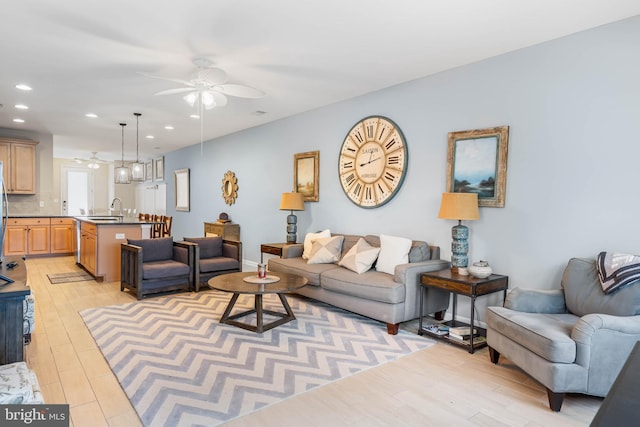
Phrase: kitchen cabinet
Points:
(100, 247)
(19, 165)
(63, 235)
(89, 247)
(27, 236)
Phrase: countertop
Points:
(94, 219)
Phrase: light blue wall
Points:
(573, 107)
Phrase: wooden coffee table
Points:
(235, 283)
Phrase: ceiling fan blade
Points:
(170, 79)
(239, 91)
(212, 76)
(172, 91)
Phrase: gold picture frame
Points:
(306, 170)
(181, 181)
(477, 163)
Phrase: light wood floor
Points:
(442, 385)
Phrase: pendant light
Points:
(122, 172)
(137, 168)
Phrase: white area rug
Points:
(180, 367)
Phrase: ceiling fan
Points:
(94, 161)
(207, 87)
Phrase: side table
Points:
(461, 285)
(272, 249)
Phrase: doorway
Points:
(76, 193)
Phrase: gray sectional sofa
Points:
(388, 298)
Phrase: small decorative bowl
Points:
(480, 269)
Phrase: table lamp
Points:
(459, 206)
(292, 202)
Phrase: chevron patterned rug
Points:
(180, 367)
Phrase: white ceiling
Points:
(85, 56)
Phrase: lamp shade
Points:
(459, 206)
(292, 202)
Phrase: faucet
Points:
(113, 205)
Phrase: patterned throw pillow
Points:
(393, 251)
(326, 250)
(360, 257)
(310, 238)
(617, 270)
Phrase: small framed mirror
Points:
(229, 188)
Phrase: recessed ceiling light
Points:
(91, 115)
(194, 116)
(150, 136)
(259, 113)
(21, 107)
(168, 127)
(22, 86)
(18, 120)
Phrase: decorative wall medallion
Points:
(229, 188)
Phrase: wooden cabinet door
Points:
(88, 252)
(63, 235)
(23, 168)
(38, 242)
(5, 158)
(15, 241)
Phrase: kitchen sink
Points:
(105, 218)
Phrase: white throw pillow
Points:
(310, 238)
(393, 251)
(360, 257)
(326, 250)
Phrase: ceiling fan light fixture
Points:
(208, 100)
(121, 173)
(93, 165)
(137, 168)
(191, 98)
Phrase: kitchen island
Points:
(99, 240)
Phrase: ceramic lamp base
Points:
(292, 228)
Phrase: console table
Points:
(225, 230)
(12, 297)
(461, 285)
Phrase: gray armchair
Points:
(572, 340)
(150, 266)
(214, 256)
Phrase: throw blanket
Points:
(617, 270)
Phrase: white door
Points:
(77, 194)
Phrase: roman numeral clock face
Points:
(372, 162)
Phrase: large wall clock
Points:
(373, 161)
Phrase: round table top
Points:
(233, 282)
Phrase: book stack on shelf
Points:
(463, 334)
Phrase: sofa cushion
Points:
(300, 267)
(309, 238)
(154, 249)
(420, 251)
(208, 265)
(326, 250)
(583, 292)
(547, 335)
(360, 257)
(164, 269)
(393, 251)
(372, 285)
(210, 247)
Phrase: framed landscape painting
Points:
(477, 163)
(305, 175)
